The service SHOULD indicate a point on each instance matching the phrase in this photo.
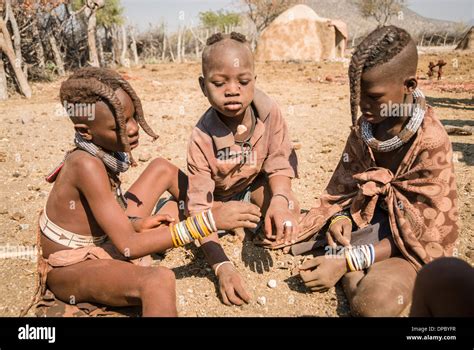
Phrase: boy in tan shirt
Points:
(239, 151)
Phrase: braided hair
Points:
(379, 47)
(92, 84)
(214, 38)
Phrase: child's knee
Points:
(162, 166)
(158, 278)
(379, 300)
(164, 275)
(373, 305)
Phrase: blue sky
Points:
(452, 10)
(143, 12)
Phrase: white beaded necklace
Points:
(398, 140)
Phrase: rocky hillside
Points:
(415, 24)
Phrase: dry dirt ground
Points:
(34, 137)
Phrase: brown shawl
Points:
(420, 196)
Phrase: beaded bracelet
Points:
(344, 214)
(194, 227)
(338, 218)
(360, 257)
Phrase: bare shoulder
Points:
(84, 168)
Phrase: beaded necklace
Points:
(404, 136)
(117, 162)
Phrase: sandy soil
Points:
(314, 97)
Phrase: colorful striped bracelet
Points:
(194, 227)
(360, 257)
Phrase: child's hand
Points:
(231, 286)
(280, 217)
(340, 232)
(233, 214)
(323, 272)
(150, 222)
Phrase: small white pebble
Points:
(241, 129)
(262, 300)
(272, 283)
(236, 252)
(291, 299)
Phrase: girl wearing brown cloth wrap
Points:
(396, 171)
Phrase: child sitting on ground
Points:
(89, 230)
(239, 151)
(396, 173)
